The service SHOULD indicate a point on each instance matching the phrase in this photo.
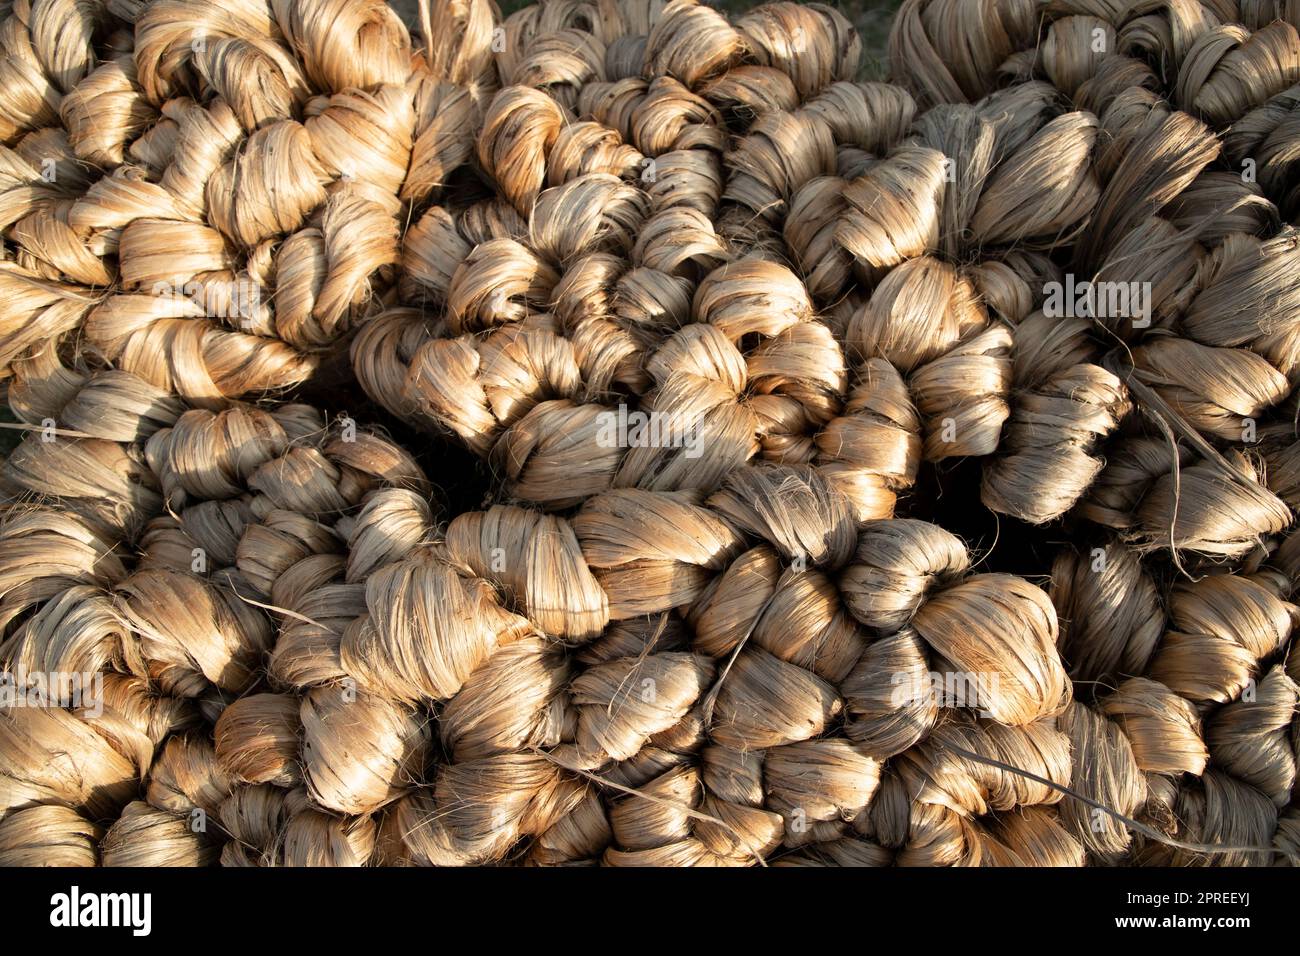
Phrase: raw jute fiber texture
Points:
(619, 433)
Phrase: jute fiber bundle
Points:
(131, 626)
(725, 324)
(1182, 221)
(81, 723)
(717, 682)
(623, 265)
(216, 205)
(726, 689)
(748, 252)
(1184, 661)
(1217, 59)
(1200, 747)
(662, 678)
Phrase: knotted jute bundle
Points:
(131, 624)
(211, 197)
(686, 264)
(715, 313)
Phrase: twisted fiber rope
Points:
(547, 331)
(210, 197)
(700, 664)
(374, 638)
(344, 683)
(1193, 213)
